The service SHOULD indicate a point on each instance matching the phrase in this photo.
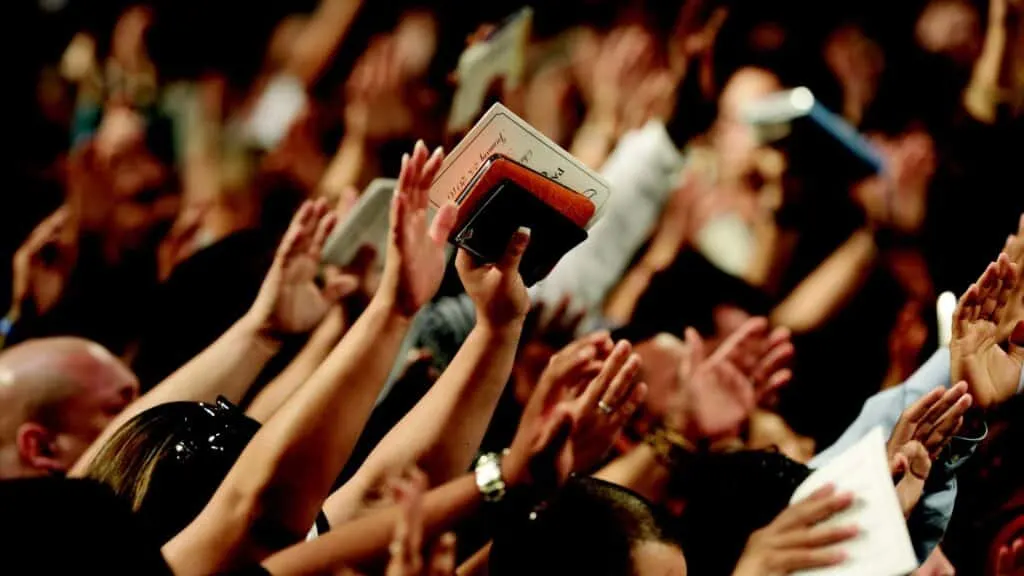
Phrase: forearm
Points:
(366, 540)
(315, 47)
(228, 367)
(274, 395)
(346, 168)
(982, 94)
(594, 140)
(442, 433)
(830, 286)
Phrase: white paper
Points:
(366, 224)
(883, 547)
(503, 55)
(502, 132)
(277, 108)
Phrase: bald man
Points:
(56, 396)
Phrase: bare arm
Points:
(319, 40)
(829, 287)
(993, 68)
(320, 344)
(285, 473)
(443, 431)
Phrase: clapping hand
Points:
(794, 540)
(981, 317)
(715, 394)
(605, 405)
(290, 301)
(415, 262)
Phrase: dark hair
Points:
(169, 460)
(589, 527)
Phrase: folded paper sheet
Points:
(883, 547)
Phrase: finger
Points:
(961, 314)
(323, 230)
(898, 465)
(419, 160)
(1017, 553)
(776, 359)
(935, 412)
(514, 250)
(430, 169)
(817, 536)
(745, 335)
(1003, 561)
(631, 405)
(793, 560)
(442, 557)
(948, 425)
(444, 222)
(622, 383)
(295, 230)
(597, 387)
(775, 382)
(399, 212)
(820, 505)
(405, 177)
(695, 345)
(917, 410)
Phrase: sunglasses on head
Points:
(215, 430)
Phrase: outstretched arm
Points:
(443, 431)
(283, 476)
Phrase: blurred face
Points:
(141, 203)
(658, 559)
(950, 28)
(107, 387)
(734, 141)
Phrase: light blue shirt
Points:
(929, 520)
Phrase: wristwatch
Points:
(488, 477)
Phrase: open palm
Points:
(290, 301)
(416, 258)
(992, 373)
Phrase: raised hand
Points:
(290, 301)
(715, 395)
(992, 374)
(497, 289)
(605, 406)
(910, 467)
(541, 452)
(761, 355)
(415, 262)
(793, 542)
(407, 544)
(932, 421)
(43, 263)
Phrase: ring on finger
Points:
(605, 408)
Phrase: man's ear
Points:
(37, 447)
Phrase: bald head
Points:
(56, 396)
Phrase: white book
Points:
(501, 55)
(366, 224)
(502, 132)
(883, 546)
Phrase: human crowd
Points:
(187, 387)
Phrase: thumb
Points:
(898, 465)
(515, 249)
(338, 286)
